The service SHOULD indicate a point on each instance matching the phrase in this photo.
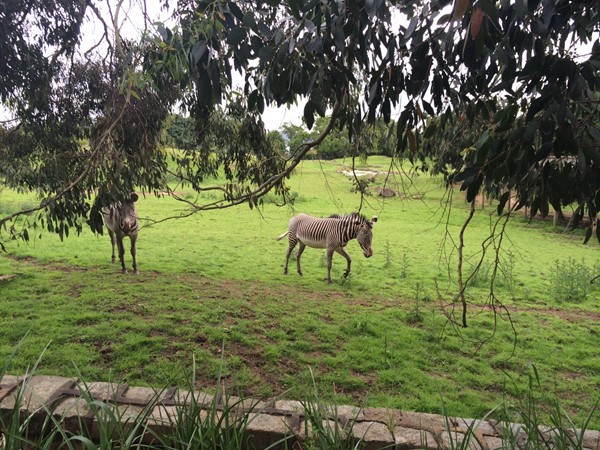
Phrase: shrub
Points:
(570, 280)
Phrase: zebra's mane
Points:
(353, 215)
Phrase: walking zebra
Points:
(122, 220)
(332, 233)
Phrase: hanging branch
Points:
(93, 161)
(270, 183)
(461, 246)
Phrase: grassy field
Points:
(211, 288)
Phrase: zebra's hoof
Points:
(329, 281)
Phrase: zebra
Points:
(332, 233)
(121, 219)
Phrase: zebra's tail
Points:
(282, 236)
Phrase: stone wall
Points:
(269, 421)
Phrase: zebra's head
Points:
(128, 215)
(364, 235)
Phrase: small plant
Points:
(386, 353)
(404, 264)
(388, 256)
(570, 280)
(526, 423)
(362, 326)
(361, 185)
(415, 315)
(322, 259)
(508, 271)
(323, 427)
(596, 275)
(466, 440)
(481, 274)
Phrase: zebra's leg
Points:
(121, 247)
(342, 252)
(301, 248)
(133, 241)
(291, 245)
(113, 243)
(329, 263)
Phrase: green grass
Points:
(216, 278)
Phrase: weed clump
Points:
(570, 280)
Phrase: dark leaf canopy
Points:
(495, 95)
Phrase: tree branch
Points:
(267, 185)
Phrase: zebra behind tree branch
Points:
(332, 233)
(121, 219)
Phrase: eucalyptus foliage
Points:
(510, 70)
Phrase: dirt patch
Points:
(59, 266)
(568, 315)
(7, 277)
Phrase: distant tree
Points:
(180, 131)
(277, 141)
(335, 145)
(295, 135)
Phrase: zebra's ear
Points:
(374, 219)
(134, 197)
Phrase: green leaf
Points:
(198, 51)
(294, 7)
(467, 173)
(265, 55)
(249, 20)
(532, 5)
(544, 151)
(483, 139)
(536, 106)
(165, 33)
(260, 103)
(427, 107)
(279, 36)
(412, 141)
(235, 10)
(235, 36)
(412, 25)
(204, 89)
(473, 189)
(502, 202)
(588, 235)
(309, 114)
(386, 110)
(489, 8)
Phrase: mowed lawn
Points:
(211, 294)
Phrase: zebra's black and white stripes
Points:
(332, 233)
(121, 219)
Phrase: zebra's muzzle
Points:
(128, 226)
(368, 252)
